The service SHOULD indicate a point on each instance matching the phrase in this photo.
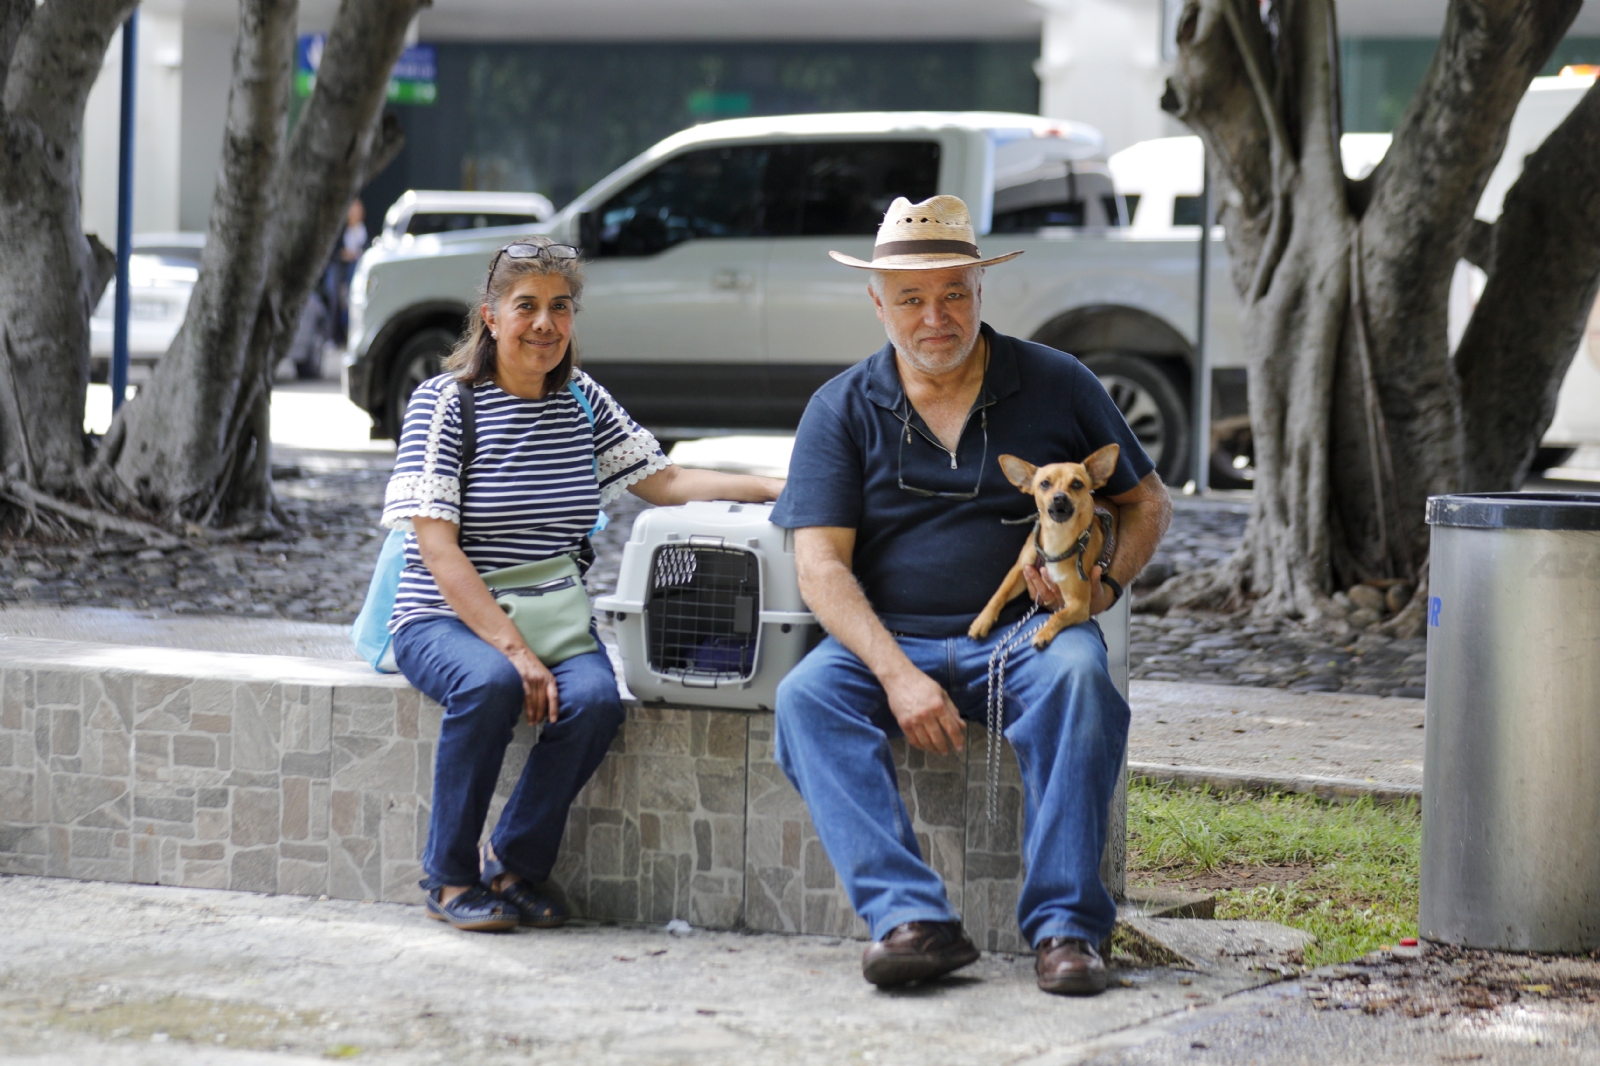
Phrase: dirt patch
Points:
(1442, 980)
(1236, 875)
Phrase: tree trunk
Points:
(173, 444)
(53, 274)
(1356, 407)
(1526, 328)
(195, 445)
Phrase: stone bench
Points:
(304, 776)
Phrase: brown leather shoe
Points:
(917, 951)
(1068, 966)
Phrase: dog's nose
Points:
(1061, 503)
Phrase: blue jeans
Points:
(1064, 718)
(482, 696)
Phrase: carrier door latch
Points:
(700, 541)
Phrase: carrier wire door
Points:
(702, 615)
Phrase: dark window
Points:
(1029, 219)
(449, 221)
(1186, 210)
(843, 189)
(714, 192)
(1131, 199)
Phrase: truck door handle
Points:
(731, 279)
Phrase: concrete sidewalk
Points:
(1323, 743)
(125, 974)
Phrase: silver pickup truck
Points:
(712, 304)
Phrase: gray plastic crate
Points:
(707, 608)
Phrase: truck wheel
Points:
(1153, 406)
(420, 358)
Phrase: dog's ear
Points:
(1102, 464)
(1018, 472)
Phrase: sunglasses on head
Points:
(525, 250)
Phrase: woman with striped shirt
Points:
(539, 473)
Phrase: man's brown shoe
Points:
(1068, 966)
(917, 951)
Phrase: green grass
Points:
(1359, 890)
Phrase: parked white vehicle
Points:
(162, 270)
(712, 303)
(1161, 180)
(422, 211)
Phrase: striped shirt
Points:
(531, 488)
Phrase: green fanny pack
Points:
(548, 604)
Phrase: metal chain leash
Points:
(1013, 639)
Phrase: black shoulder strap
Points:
(469, 426)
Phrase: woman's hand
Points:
(467, 595)
(538, 687)
(676, 484)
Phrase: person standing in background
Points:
(351, 244)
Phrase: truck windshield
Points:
(817, 189)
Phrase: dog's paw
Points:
(980, 627)
(1042, 639)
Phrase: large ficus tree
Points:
(1358, 409)
(193, 447)
(51, 274)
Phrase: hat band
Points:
(881, 251)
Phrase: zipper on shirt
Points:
(984, 400)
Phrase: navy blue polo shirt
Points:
(929, 564)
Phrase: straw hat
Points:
(933, 235)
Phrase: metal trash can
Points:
(1511, 774)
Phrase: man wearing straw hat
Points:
(904, 526)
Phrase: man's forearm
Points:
(1143, 523)
(835, 597)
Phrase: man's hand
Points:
(1048, 596)
(1042, 589)
(926, 715)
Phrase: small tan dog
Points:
(1067, 534)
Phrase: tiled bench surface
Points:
(276, 774)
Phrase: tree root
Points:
(1412, 619)
(26, 496)
(1214, 588)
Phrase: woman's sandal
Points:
(476, 910)
(538, 907)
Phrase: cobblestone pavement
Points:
(319, 573)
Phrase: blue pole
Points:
(119, 335)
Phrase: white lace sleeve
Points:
(630, 460)
(430, 492)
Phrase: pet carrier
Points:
(707, 607)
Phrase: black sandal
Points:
(536, 904)
(477, 910)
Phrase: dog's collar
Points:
(1079, 546)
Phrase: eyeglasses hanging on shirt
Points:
(904, 412)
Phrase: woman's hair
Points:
(473, 360)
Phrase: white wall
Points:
(1100, 63)
(207, 77)
(157, 127)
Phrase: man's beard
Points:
(935, 365)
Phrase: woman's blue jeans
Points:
(1065, 720)
(482, 696)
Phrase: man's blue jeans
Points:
(1065, 720)
(482, 696)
